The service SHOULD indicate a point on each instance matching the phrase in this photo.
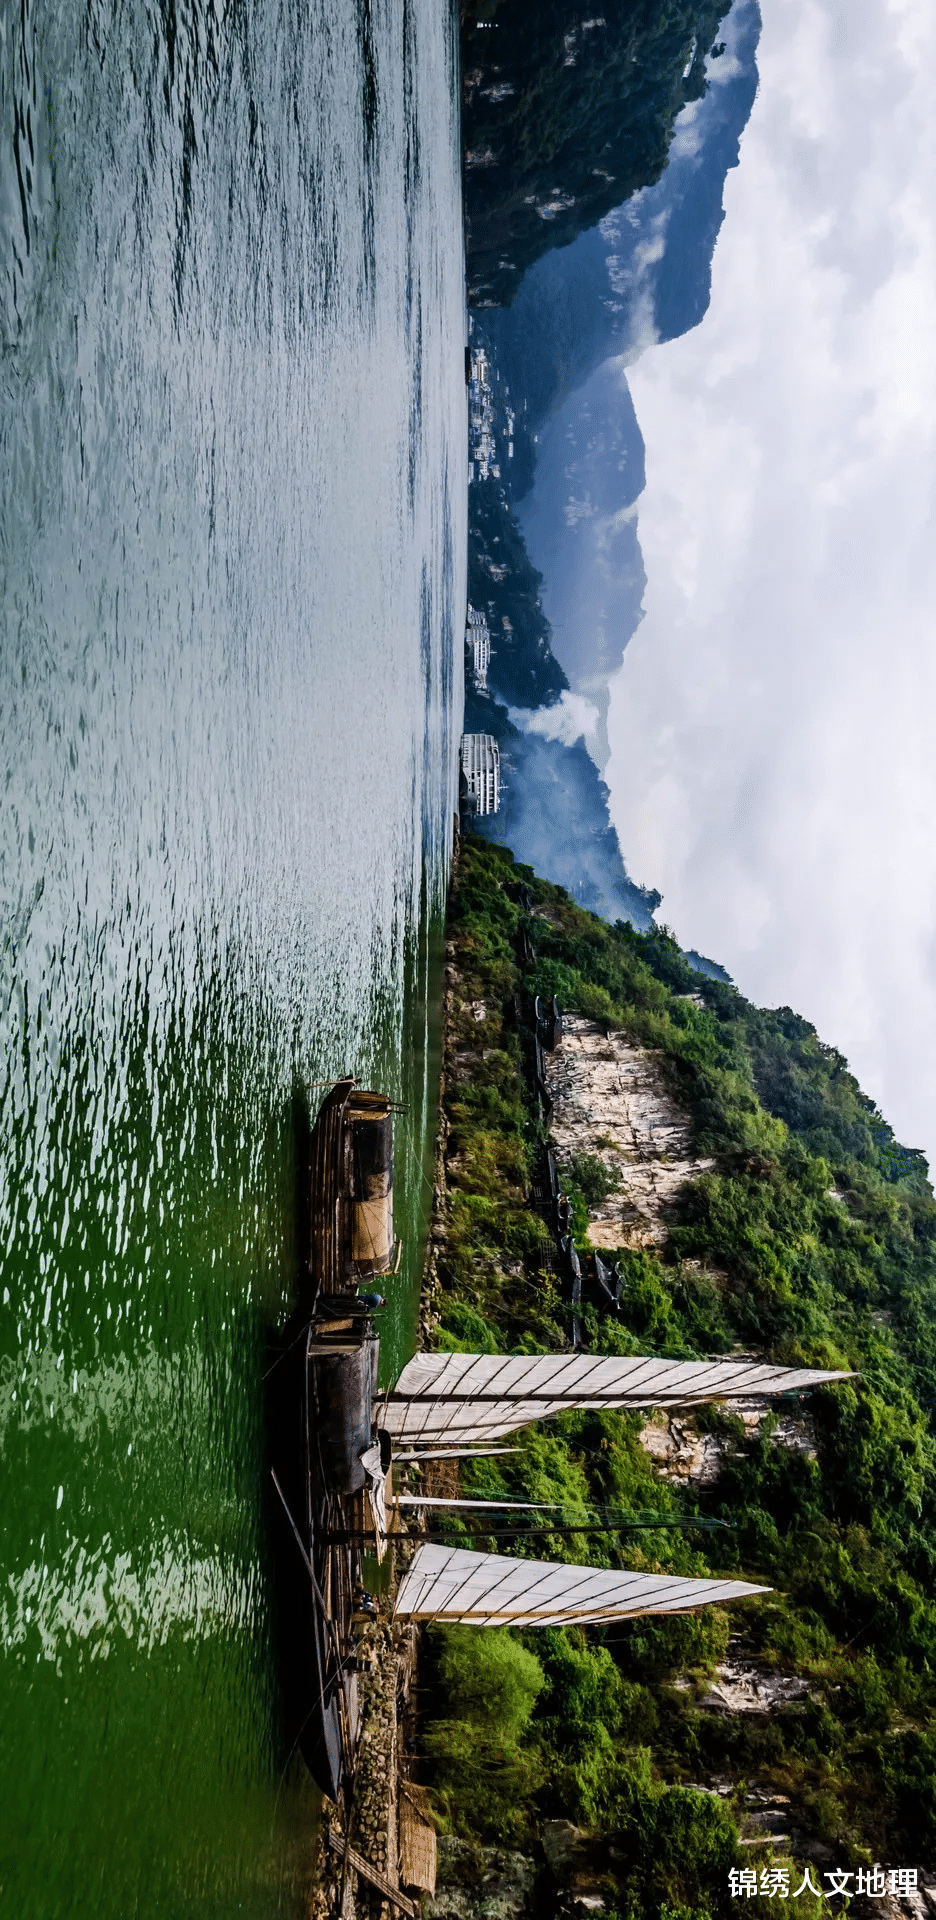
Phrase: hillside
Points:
(790, 1224)
(566, 111)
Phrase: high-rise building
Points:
(480, 772)
(478, 637)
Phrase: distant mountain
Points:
(554, 557)
(504, 584)
(711, 969)
(583, 313)
(566, 112)
(645, 273)
(579, 526)
(554, 806)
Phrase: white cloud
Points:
(687, 134)
(572, 718)
(576, 510)
(773, 767)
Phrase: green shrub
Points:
(483, 1777)
(495, 1679)
(592, 1179)
(464, 1330)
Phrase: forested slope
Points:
(810, 1239)
(566, 111)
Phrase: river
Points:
(232, 557)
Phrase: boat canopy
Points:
(492, 1590)
(475, 1397)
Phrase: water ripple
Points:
(232, 439)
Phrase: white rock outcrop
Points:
(610, 1100)
(741, 1688)
(680, 1452)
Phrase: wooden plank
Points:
(327, 1176)
(374, 1879)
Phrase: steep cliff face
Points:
(610, 1101)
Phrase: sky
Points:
(773, 725)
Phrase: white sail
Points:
(453, 1453)
(507, 1505)
(476, 1397)
(492, 1590)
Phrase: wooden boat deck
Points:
(327, 1174)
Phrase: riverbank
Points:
(643, 1764)
(369, 1827)
(748, 1198)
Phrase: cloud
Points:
(576, 510)
(688, 135)
(630, 271)
(572, 718)
(772, 766)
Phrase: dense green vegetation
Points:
(811, 1240)
(566, 112)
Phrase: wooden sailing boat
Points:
(343, 1438)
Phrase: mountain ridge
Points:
(564, 115)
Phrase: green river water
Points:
(232, 561)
